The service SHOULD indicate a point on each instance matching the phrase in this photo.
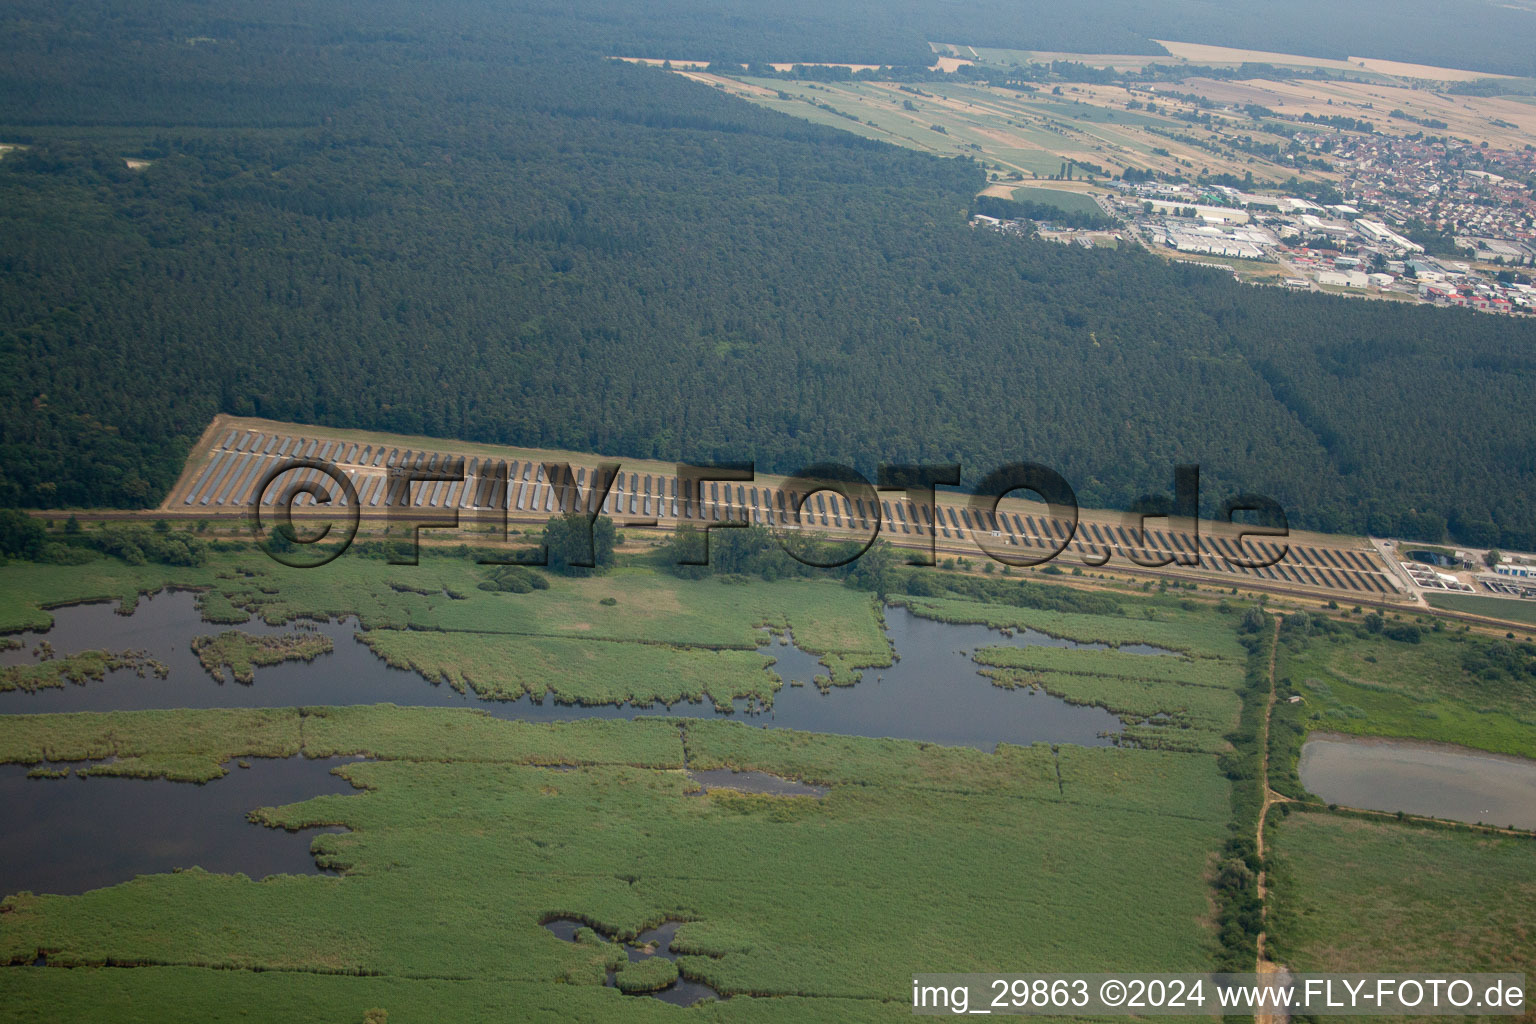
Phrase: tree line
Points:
(539, 247)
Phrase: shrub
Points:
(21, 536)
(514, 579)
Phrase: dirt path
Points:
(1265, 967)
(1270, 796)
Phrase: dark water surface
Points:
(653, 942)
(69, 835)
(1434, 779)
(934, 693)
(73, 834)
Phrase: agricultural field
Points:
(1030, 135)
(1501, 121)
(1216, 56)
(1036, 133)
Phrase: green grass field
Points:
(1199, 633)
(578, 671)
(28, 589)
(475, 830)
(1450, 687)
(478, 853)
(1352, 893)
(1512, 609)
(1169, 703)
(1356, 895)
(1068, 202)
(181, 995)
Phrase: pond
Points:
(72, 834)
(69, 835)
(654, 942)
(765, 783)
(1433, 779)
(1436, 558)
(934, 692)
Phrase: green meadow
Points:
(1198, 633)
(1448, 686)
(1165, 702)
(466, 833)
(1508, 608)
(578, 671)
(1069, 202)
(28, 589)
(479, 830)
(1362, 895)
(629, 634)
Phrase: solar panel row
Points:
(379, 473)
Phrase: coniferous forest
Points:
(461, 220)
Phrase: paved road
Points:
(1295, 271)
(1389, 554)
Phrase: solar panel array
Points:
(242, 459)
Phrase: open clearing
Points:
(1071, 202)
(1447, 687)
(1512, 609)
(1200, 53)
(1033, 132)
(1029, 134)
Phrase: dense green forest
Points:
(461, 221)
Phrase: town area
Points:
(1417, 219)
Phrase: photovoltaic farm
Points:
(236, 456)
